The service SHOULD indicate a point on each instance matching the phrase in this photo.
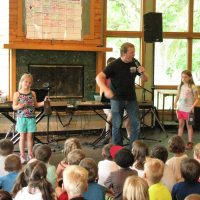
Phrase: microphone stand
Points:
(144, 90)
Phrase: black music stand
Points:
(105, 135)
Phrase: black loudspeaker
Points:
(153, 27)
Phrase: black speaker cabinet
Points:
(153, 27)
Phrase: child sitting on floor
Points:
(6, 148)
(43, 153)
(190, 170)
(12, 166)
(140, 151)
(161, 153)
(124, 159)
(107, 165)
(153, 172)
(176, 145)
(75, 182)
(94, 191)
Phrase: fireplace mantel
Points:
(55, 46)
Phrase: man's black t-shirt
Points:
(122, 79)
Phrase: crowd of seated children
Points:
(94, 190)
(153, 172)
(161, 153)
(6, 148)
(115, 172)
(32, 184)
(43, 153)
(140, 151)
(190, 170)
(124, 159)
(135, 188)
(176, 145)
(106, 165)
(69, 145)
(75, 182)
(12, 166)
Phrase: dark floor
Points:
(150, 137)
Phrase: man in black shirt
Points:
(122, 73)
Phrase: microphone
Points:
(137, 64)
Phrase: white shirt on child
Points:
(24, 194)
(3, 172)
(168, 178)
(174, 164)
(104, 169)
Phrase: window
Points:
(196, 61)
(4, 53)
(170, 61)
(196, 16)
(174, 13)
(181, 47)
(123, 15)
(123, 25)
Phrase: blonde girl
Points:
(24, 102)
(135, 188)
(187, 98)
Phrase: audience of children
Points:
(153, 172)
(190, 171)
(6, 148)
(124, 159)
(12, 166)
(31, 183)
(69, 145)
(161, 153)
(75, 182)
(140, 151)
(94, 190)
(128, 176)
(176, 145)
(43, 153)
(106, 165)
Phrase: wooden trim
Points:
(20, 19)
(124, 34)
(13, 73)
(99, 65)
(40, 46)
(168, 87)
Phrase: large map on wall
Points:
(53, 19)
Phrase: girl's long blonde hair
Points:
(24, 76)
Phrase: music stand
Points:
(40, 96)
(105, 135)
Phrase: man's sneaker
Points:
(22, 159)
(189, 145)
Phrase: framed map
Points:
(53, 19)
